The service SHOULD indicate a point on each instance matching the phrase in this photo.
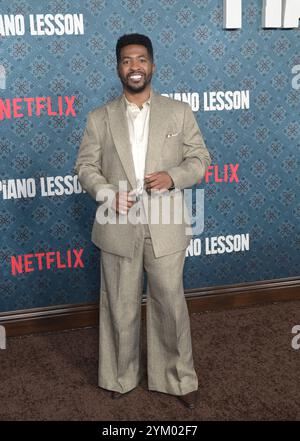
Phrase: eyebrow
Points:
(138, 56)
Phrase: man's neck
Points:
(138, 98)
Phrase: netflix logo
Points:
(37, 106)
(27, 263)
(215, 174)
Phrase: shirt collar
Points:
(134, 106)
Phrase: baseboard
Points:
(62, 317)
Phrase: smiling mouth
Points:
(135, 77)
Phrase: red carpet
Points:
(246, 366)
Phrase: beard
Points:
(135, 87)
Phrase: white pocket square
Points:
(169, 135)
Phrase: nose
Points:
(135, 64)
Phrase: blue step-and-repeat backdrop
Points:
(57, 62)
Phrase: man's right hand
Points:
(122, 202)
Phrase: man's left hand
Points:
(158, 181)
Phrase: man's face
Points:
(135, 68)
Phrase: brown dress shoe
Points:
(115, 395)
(189, 400)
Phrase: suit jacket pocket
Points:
(171, 150)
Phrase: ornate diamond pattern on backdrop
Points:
(193, 54)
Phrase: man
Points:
(153, 145)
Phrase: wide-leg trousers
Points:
(170, 364)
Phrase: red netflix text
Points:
(217, 174)
(27, 263)
(36, 106)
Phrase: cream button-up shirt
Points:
(138, 127)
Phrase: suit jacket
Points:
(175, 145)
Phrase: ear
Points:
(153, 68)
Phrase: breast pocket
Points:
(171, 149)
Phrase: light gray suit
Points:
(175, 145)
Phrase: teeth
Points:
(136, 77)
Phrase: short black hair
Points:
(127, 39)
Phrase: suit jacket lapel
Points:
(120, 134)
(157, 132)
